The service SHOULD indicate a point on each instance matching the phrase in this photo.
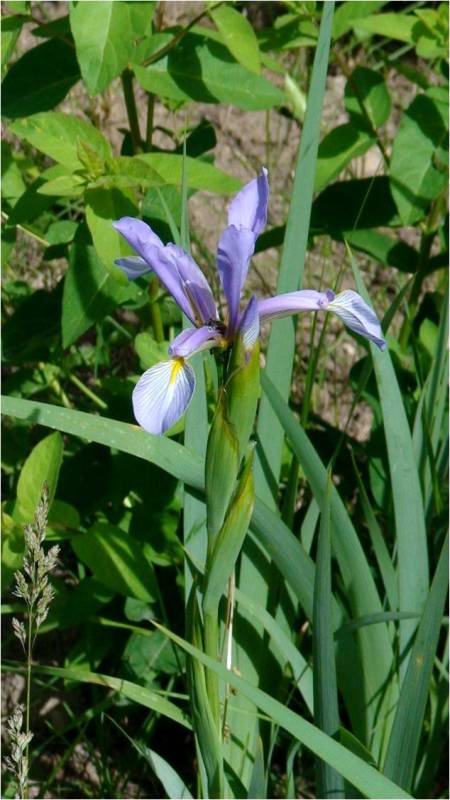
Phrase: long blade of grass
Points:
(407, 728)
(133, 691)
(326, 709)
(384, 561)
(375, 643)
(407, 495)
(301, 670)
(167, 454)
(280, 351)
(370, 782)
(196, 422)
(254, 567)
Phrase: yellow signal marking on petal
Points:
(178, 364)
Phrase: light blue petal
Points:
(162, 395)
(249, 207)
(249, 327)
(358, 316)
(194, 340)
(236, 246)
(284, 305)
(133, 266)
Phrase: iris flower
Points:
(164, 391)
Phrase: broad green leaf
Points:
(415, 182)
(58, 135)
(103, 207)
(238, 36)
(409, 715)
(370, 782)
(132, 691)
(43, 464)
(202, 70)
(30, 205)
(61, 232)
(103, 41)
(129, 171)
(12, 181)
(337, 149)
(386, 249)
(326, 708)
(368, 88)
(11, 27)
(357, 203)
(30, 86)
(411, 536)
(118, 560)
(63, 186)
(141, 16)
(200, 174)
(90, 292)
(349, 13)
(393, 25)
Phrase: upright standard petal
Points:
(194, 340)
(249, 207)
(133, 266)
(249, 325)
(163, 394)
(358, 316)
(236, 247)
(284, 305)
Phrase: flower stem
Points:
(149, 127)
(90, 394)
(155, 312)
(130, 102)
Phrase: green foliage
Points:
(220, 627)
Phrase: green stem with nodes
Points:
(149, 126)
(130, 102)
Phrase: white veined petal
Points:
(249, 328)
(358, 316)
(162, 395)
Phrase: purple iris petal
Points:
(138, 234)
(249, 207)
(249, 325)
(235, 250)
(358, 316)
(284, 305)
(133, 266)
(193, 340)
(162, 395)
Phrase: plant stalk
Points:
(130, 103)
(155, 312)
